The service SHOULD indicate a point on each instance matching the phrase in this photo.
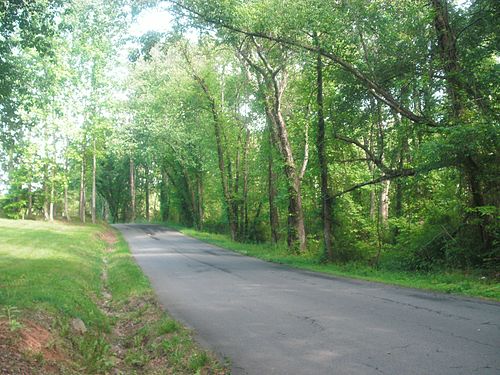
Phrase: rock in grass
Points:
(78, 326)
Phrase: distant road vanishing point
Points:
(269, 319)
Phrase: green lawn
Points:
(52, 267)
(53, 273)
(455, 282)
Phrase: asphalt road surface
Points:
(268, 319)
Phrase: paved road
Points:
(267, 319)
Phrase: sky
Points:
(152, 19)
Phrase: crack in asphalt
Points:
(438, 312)
(271, 319)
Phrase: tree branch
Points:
(398, 174)
(367, 151)
(374, 88)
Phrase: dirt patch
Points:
(137, 341)
(31, 349)
(109, 237)
(37, 339)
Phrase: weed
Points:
(169, 345)
(35, 357)
(11, 313)
(168, 326)
(56, 269)
(447, 282)
(198, 361)
(138, 340)
(95, 352)
(136, 358)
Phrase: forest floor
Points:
(72, 300)
(472, 283)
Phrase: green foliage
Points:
(197, 361)
(168, 326)
(136, 358)
(392, 269)
(13, 207)
(411, 134)
(125, 278)
(11, 313)
(95, 351)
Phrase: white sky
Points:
(152, 19)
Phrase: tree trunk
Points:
(398, 204)
(132, 190)
(477, 200)
(105, 211)
(384, 202)
(45, 193)
(457, 86)
(447, 42)
(164, 206)
(30, 201)
(66, 210)
(225, 174)
(52, 193)
(82, 189)
(326, 199)
(373, 202)
(233, 225)
(272, 92)
(147, 193)
(272, 193)
(94, 168)
(245, 186)
(199, 183)
(296, 228)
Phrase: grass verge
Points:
(73, 301)
(452, 282)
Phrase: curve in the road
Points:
(269, 319)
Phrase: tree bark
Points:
(30, 200)
(199, 201)
(296, 228)
(52, 193)
(82, 189)
(228, 197)
(326, 199)
(132, 190)
(164, 206)
(384, 202)
(272, 193)
(94, 169)
(272, 91)
(447, 42)
(146, 188)
(245, 186)
(457, 87)
(66, 208)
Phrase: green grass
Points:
(160, 336)
(56, 269)
(455, 282)
(125, 278)
(52, 267)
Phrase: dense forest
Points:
(353, 130)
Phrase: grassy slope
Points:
(473, 285)
(56, 270)
(52, 267)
